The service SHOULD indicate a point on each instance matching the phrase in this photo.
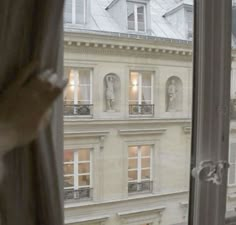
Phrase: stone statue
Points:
(24, 107)
(110, 95)
(172, 96)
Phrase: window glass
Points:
(68, 11)
(80, 11)
(130, 12)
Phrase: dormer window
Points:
(136, 17)
(75, 11)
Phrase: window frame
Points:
(139, 167)
(135, 7)
(76, 186)
(210, 124)
(74, 13)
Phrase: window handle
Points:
(209, 171)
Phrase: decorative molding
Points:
(85, 133)
(131, 132)
(147, 215)
(95, 220)
(184, 206)
(187, 129)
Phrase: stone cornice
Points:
(146, 210)
(130, 132)
(130, 48)
(86, 133)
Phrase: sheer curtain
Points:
(31, 191)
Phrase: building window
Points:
(77, 174)
(140, 169)
(136, 17)
(78, 94)
(141, 93)
(232, 161)
(189, 19)
(75, 11)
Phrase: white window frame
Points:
(139, 164)
(136, 4)
(139, 85)
(77, 85)
(74, 12)
(75, 175)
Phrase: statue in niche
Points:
(110, 95)
(174, 94)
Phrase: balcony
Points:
(80, 194)
(145, 186)
(79, 110)
(141, 109)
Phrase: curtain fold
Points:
(30, 194)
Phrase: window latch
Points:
(209, 171)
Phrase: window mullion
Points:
(139, 88)
(76, 86)
(135, 17)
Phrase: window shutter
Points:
(68, 11)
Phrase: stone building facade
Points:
(127, 106)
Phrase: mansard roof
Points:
(101, 19)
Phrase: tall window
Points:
(139, 168)
(232, 161)
(136, 17)
(141, 93)
(75, 11)
(77, 174)
(78, 95)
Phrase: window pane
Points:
(145, 174)
(68, 11)
(68, 156)
(134, 79)
(133, 95)
(80, 11)
(146, 163)
(130, 12)
(84, 167)
(68, 182)
(146, 94)
(68, 169)
(146, 79)
(146, 150)
(84, 77)
(84, 95)
(84, 180)
(84, 155)
(133, 151)
(132, 175)
(133, 163)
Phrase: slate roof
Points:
(102, 21)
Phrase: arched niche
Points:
(174, 94)
(112, 90)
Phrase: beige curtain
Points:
(31, 192)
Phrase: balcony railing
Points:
(80, 194)
(80, 110)
(145, 186)
(141, 109)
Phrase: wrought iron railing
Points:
(80, 110)
(145, 186)
(141, 109)
(80, 194)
